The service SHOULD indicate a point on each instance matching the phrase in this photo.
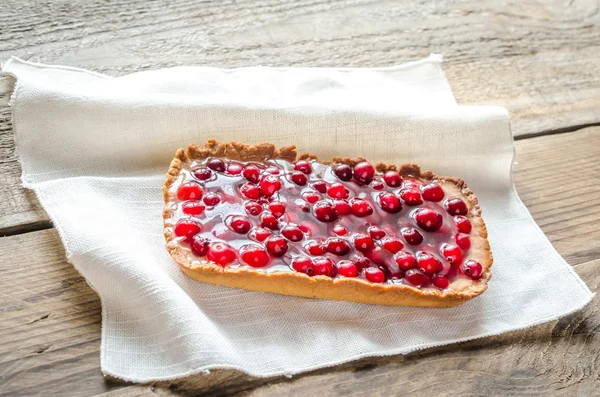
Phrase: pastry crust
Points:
(323, 287)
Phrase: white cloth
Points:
(95, 150)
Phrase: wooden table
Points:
(540, 61)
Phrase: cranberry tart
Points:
(258, 218)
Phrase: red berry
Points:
(463, 241)
(411, 196)
(462, 224)
(376, 232)
(343, 171)
(277, 208)
(412, 236)
(415, 278)
(360, 261)
(303, 265)
(363, 243)
(392, 178)
(303, 166)
(260, 234)
(199, 245)
(250, 191)
(347, 269)
(192, 208)
(324, 267)
(428, 263)
(315, 248)
(272, 170)
(451, 253)
(360, 207)
(391, 244)
(276, 245)
(299, 178)
(428, 219)
(189, 191)
(187, 228)
(251, 173)
(239, 224)
(320, 186)
(324, 212)
(211, 199)
(405, 260)
(292, 233)
(364, 172)
(432, 192)
(311, 197)
(269, 184)
(254, 256)
(269, 221)
(389, 203)
(253, 208)
(339, 230)
(377, 185)
(234, 168)
(203, 174)
(440, 282)
(337, 191)
(473, 269)
(337, 246)
(221, 254)
(374, 275)
(456, 207)
(216, 164)
(341, 207)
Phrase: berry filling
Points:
(338, 221)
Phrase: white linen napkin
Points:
(95, 150)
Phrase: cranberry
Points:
(260, 234)
(250, 191)
(239, 224)
(360, 261)
(374, 275)
(452, 253)
(377, 255)
(324, 267)
(254, 256)
(216, 164)
(277, 208)
(463, 241)
(189, 191)
(462, 224)
(412, 236)
(377, 185)
(211, 199)
(392, 178)
(376, 232)
(251, 173)
(415, 278)
(192, 208)
(292, 233)
(269, 221)
(315, 248)
(411, 196)
(428, 219)
(299, 178)
(303, 166)
(405, 260)
(276, 245)
(303, 265)
(360, 207)
(203, 174)
(363, 243)
(343, 171)
(473, 269)
(187, 228)
(428, 263)
(234, 168)
(389, 203)
(337, 246)
(347, 269)
(305, 207)
(391, 244)
(253, 208)
(449, 271)
(320, 186)
(221, 254)
(440, 282)
(339, 230)
(364, 172)
(324, 212)
(337, 191)
(432, 192)
(341, 207)
(311, 197)
(456, 207)
(272, 170)
(199, 245)
(269, 184)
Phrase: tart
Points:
(260, 218)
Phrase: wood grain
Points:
(535, 58)
(50, 318)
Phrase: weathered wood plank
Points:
(536, 58)
(50, 318)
